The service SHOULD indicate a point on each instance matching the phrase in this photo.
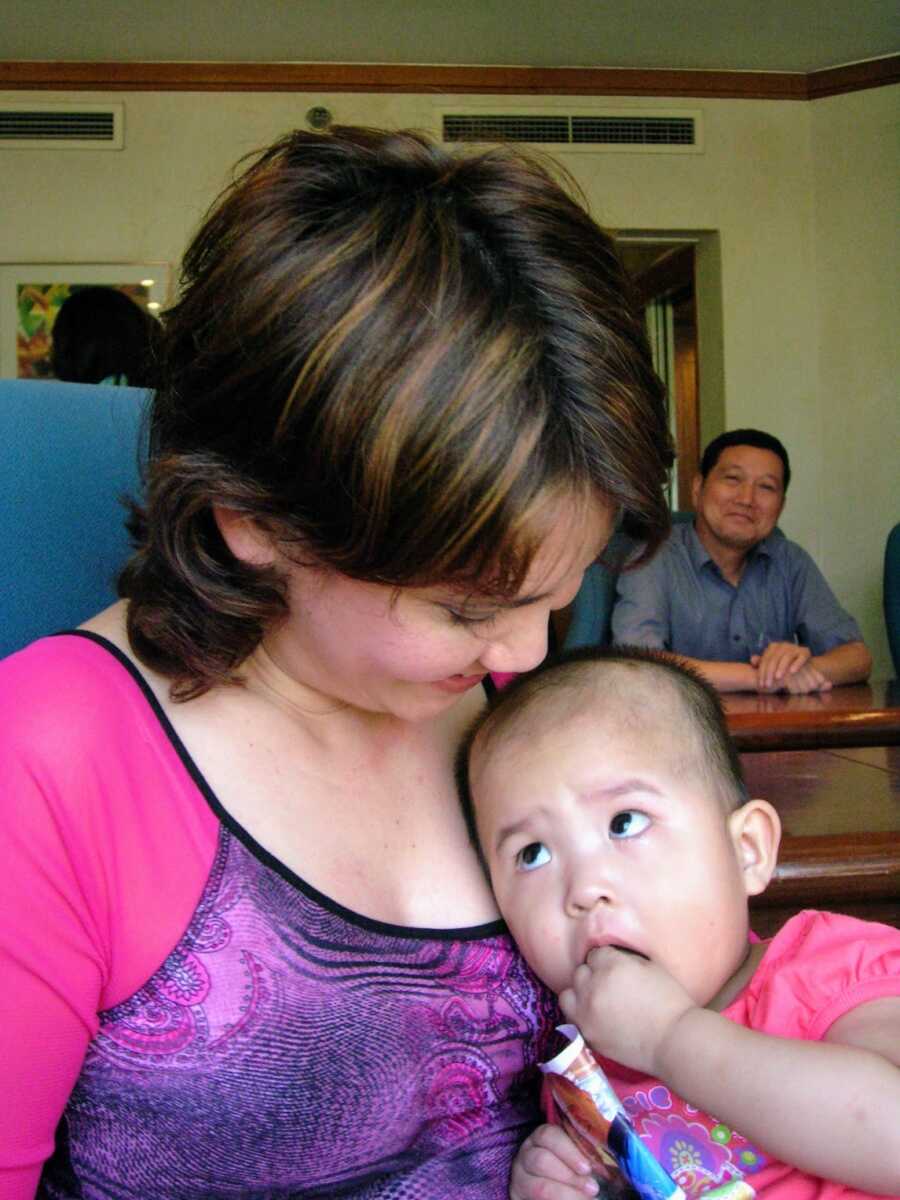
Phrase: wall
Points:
(787, 224)
(856, 156)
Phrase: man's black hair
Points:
(745, 437)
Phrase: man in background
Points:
(731, 594)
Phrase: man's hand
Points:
(625, 1006)
(808, 679)
(549, 1166)
(778, 660)
(787, 667)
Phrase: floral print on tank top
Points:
(289, 1049)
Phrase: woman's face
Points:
(412, 652)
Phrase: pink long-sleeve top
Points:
(184, 1017)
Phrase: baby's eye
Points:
(532, 856)
(629, 823)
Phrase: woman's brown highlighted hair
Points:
(390, 357)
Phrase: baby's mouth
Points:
(624, 950)
(631, 950)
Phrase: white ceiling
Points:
(734, 35)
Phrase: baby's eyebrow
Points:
(612, 791)
(625, 787)
(514, 827)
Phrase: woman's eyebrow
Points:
(485, 600)
(522, 601)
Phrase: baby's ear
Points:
(755, 830)
(244, 537)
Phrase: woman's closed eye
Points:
(532, 856)
(628, 823)
(470, 619)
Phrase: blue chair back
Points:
(592, 607)
(892, 595)
(68, 452)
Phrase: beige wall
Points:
(856, 187)
(802, 196)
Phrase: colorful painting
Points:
(31, 295)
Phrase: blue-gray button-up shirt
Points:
(680, 601)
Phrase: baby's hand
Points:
(549, 1166)
(625, 1006)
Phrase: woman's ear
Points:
(244, 537)
(755, 830)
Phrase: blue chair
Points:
(593, 605)
(68, 452)
(892, 595)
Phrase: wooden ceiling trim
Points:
(375, 77)
(365, 77)
(835, 81)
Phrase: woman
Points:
(248, 947)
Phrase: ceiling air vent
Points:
(633, 131)
(61, 126)
(506, 129)
(619, 129)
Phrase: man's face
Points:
(740, 500)
(600, 832)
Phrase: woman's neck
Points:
(260, 673)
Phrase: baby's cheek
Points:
(549, 954)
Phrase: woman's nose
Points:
(521, 646)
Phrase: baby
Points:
(607, 801)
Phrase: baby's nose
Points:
(585, 893)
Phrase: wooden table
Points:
(865, 714)
(840, 812)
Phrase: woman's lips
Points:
(459, 683)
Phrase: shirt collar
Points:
(700, 556)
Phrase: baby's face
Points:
(598, 834)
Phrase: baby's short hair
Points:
(576, 673)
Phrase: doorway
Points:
(677, 281)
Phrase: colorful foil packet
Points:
(592, 1115)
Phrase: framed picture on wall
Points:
(31, 295)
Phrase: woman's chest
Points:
(374, 824)
(283, 1049)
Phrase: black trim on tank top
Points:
(471, 933)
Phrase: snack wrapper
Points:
(592, 1115)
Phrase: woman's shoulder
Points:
(99, 816)
(68, 688)
(82, 736)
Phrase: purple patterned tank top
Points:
(290, 1048)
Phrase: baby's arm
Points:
(828, 1108)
